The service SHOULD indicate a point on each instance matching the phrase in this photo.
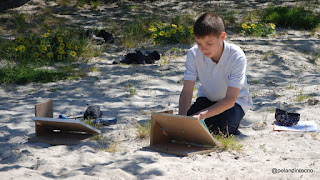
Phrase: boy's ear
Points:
(223, 35)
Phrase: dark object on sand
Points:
(102, 37)
(285, 118)
(140, 57)
(92, 112)
(108, 38)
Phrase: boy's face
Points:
(211, 46)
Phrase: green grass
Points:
(228, 143)
(143, 130)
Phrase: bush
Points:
(295, 17)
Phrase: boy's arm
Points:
(224, 104)
(186, 97)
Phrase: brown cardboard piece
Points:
(180, 135)
(59, 131)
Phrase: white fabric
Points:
(216, 77)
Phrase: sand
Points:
(276, 80)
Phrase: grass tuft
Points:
(228, 143)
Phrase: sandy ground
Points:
(276, 79)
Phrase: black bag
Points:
(92, 112)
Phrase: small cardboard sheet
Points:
(180, 135)
(59, 131)
(62, 131)
(301, 126)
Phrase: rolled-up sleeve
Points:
(191, 70)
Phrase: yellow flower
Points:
(48, 30)
(43, 48)
(76, 47)
(151, 24)
(168, 34)
(48, 45)
(50, 55)
(22, 48)
(174, 25)
(154, 35)
(244, 26)
(59, 57)
(60, 39)
(151, 28)
(253, 25)
(162, 33)
(62, 45)
(36, 55)
(173, 31)
(60, 50)
(155, 42)
(69, 45)
(72, 53)
(46, 34)
(42, 43)
(272, 25)
(160, 24)
(20, 40)
(181, 28)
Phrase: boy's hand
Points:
(201, 115)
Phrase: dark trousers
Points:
(226, 122)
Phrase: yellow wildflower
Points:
(160, 24)
(69, 45)
(168, 34)
(60, 39)
(174, 25)
(181, 28)
(43, 48)
(50, 55)
(22, 48)
(60, 50)
(244, 26)
(59, 57)
(253, 25)
(162, 33)
(46, 35)
(151, 24)
(76, 47)
(272, 25)
(36, 55)
(42, 43)
(154, 35)
(62, 45)
(151, 28)
(72, 53)
(173, 31)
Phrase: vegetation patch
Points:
(291, 17)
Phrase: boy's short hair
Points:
(208, 24)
